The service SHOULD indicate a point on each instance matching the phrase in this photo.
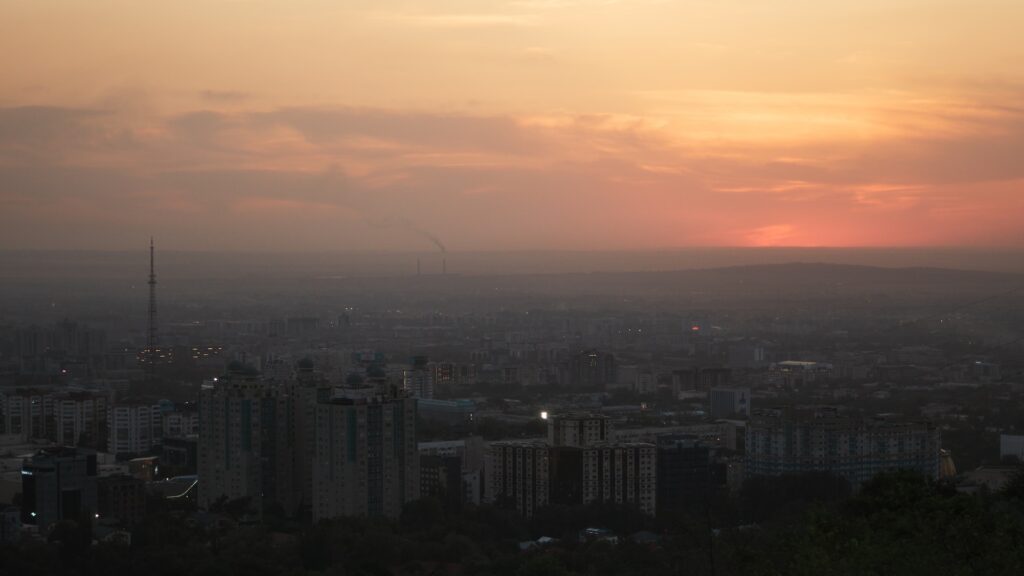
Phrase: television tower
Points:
(151, 334)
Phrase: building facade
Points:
(593, 370)
(304, 390)
(418, 381)
(135, 428)
(1011, 446)
(122, 497)
(58, 484)
(684, 475)
(780, 442)
(518, 476)
(366, 459)
(579, 429)
(469, 452)
(616, 473)
(729, 402)
(242, 452)
(441, 478)
(180, 423)
(28, 414)
(796, 373)
(81, 419)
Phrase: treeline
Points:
(898, 524)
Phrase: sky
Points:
(324, 125)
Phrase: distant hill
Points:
(39, 265)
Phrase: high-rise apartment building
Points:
(518, 476)
(418, 381)
(684, 475)
(243, 451)
(781, 442)
(366, 459)
(616, 473)
(304, 390)
(580, 464)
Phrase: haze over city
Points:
(512, 287)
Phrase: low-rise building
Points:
(121, 497)
(58, 484)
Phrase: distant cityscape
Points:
(362, 412)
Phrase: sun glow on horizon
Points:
(512, 124)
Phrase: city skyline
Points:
(511, 287)
(511, 125)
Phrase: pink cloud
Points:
(320, 177)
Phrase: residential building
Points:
(304, 390)
(1011, 446)
(243, 453)
(716, 434)
(447, 376)
(684, 475)
(579, 429)
(418, 382)
(366, 461)
(121, 497)
(135, 428)
(28, 413)
(616, 473)
(180, 422)
(782, 441)
(81, 419)
(441, 478)
(518, 476)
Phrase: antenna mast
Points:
(151, 334)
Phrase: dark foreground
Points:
(898, 524)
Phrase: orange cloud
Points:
(488, 182)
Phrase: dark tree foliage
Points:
(897, 524)
(766, 498)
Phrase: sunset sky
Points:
(564, 124)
